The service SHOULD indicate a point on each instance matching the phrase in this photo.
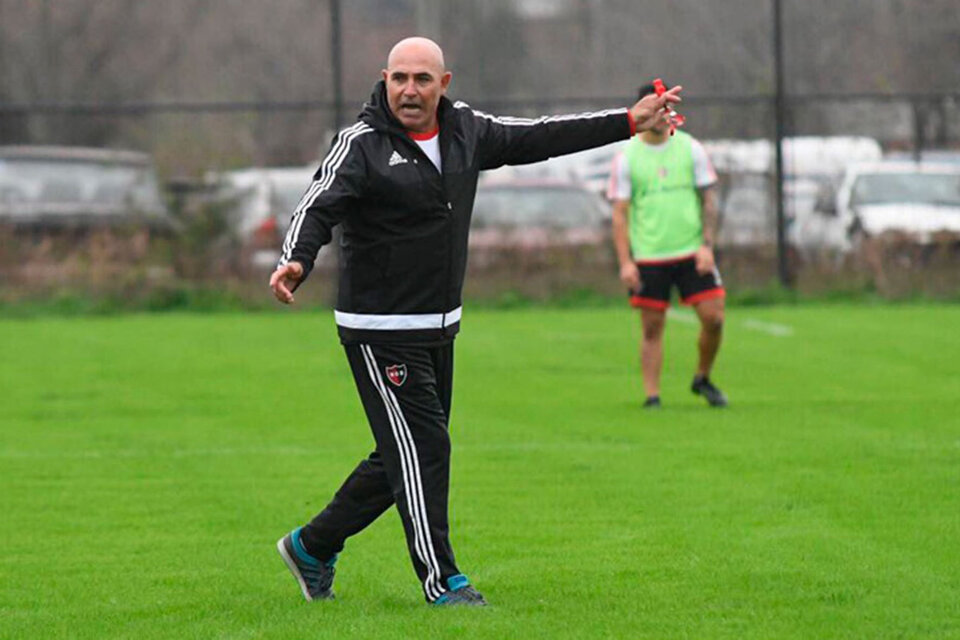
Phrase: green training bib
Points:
(664, 217)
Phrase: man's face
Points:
(415, 84)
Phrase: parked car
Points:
(748, 207)
(541, 236)
(538, 239)
(76, 186)
(935, 156)
(811, 164)
(917, 200)
(532, 215)
(263, 200)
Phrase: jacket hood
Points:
(376, 111)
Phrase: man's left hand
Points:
(705, 260)
(649, 111)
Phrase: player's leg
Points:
(651, 351)
(310, 552)
(367, 492)
(711, 314)
(705, 292)
(364, 495)
(653, 299)
(415, 444)
(461, 591)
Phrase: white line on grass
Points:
(770, 328)
(773, 328)
(684, 316)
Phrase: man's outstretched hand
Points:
(649, 111)
(284, 280)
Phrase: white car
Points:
(267, 196)
(521, 225)
(916, 199)
(532, 215)
(263, 201)
(49, 186)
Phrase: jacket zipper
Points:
(450, 227)
(451, 240)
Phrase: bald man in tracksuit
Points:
(401, 184)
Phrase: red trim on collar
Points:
(423, 136)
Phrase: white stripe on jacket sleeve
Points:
(529, 122)
(328, 173)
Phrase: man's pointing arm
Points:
(337, 183)
(507, 140)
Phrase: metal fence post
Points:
(783, 269)
(919, 122)
(336, 55)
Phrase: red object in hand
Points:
(674, 118)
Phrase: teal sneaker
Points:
(314, 577)
(461, 593)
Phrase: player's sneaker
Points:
(461, 593)
(652, 402)
(314, 577)
(703, 387)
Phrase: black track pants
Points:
(406, 392)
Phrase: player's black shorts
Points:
(657, 279)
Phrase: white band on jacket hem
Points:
(399, 321)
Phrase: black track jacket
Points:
(404, 224)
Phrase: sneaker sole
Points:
(292, 566)
(461, 603)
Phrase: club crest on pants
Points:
(397, 374)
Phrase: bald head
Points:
(416, 78)
(417, 50)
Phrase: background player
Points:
(664, 228)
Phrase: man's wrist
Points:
(303, 269)
(633, 123)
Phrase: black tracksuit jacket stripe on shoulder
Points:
(404, 223)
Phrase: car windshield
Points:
(556, 207)
(68, 182)
(922, 188)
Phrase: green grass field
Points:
(149, 463)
